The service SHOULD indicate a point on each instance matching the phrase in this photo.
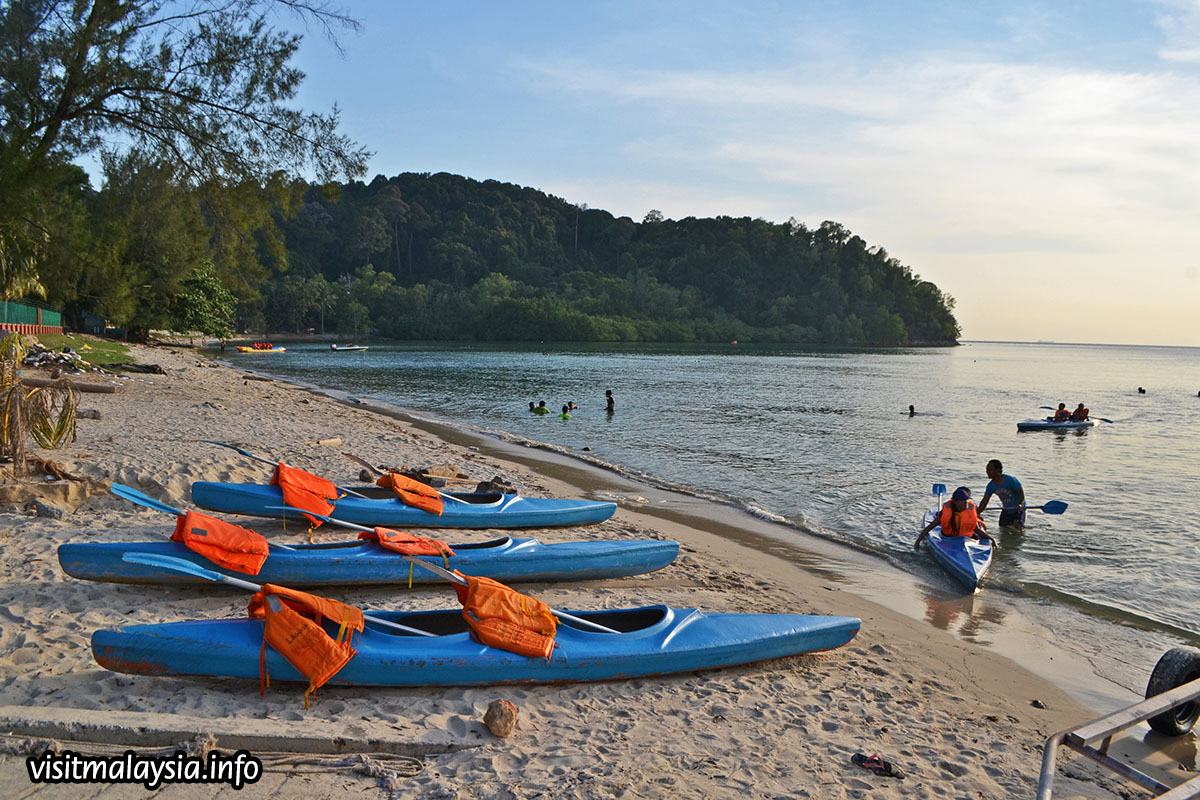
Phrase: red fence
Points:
(30, 329)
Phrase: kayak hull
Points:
(364, 562)
(966, 559)
(384, 508)
(1051, 425)
(654, 640)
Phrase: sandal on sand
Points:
(876, 765)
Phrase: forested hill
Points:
(455, 258)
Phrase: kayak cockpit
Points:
(450, 622)
(384, 493)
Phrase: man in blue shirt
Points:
(1012, 496)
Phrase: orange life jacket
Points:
(506, 619)
(962, 523)
(1061, 415)
(1080, 413)
(413, 493)
(410, 545)
(231, 546)
(305, 491)
(407, 543)
(301, 639)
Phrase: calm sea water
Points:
(822, 441)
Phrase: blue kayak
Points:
(654, 640)
(364, 562)
(966, 558)
(1048, 424)
(382, 507)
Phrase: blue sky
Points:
(1038, 161)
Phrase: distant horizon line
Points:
(1073, 344)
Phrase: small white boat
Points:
(347, 347)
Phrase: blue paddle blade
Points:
(939, 489)
(1055, 507)
(134, 496)
(173, 564)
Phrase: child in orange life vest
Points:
(959, 517)
(1062, 415)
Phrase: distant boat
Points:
(340, 347)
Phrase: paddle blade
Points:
(173, 564)
(134, 496)
(1054, 507)
(1102, 419)
(939, 489)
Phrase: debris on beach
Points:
(501, 718)
(39, 355)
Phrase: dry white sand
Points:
(958, 720)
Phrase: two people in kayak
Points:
(958, 517)
(1080, 414)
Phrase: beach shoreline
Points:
(958, 719)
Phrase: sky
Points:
(1039, 162)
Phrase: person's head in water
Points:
(542, 404)
(531, 405)
(912, 411)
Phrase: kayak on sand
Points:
(367, 562)
(382, 507)
(652, 640)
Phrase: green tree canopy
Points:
(203, 86)
(203, 305)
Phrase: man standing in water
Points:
(610, 405)
(1012, 496)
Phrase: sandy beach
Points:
(961, 722)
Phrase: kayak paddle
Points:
(248, 454)
(171, 563)
(1053, 507)
(134, 496)
(367, 464)
(450, 576)
(1102, 419)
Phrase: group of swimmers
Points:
(610, 405)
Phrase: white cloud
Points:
(1179, 21)
(967, 171)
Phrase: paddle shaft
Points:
(447, 574)
(377, 471)
(248, 454)
(1102, 419)
(187, 567)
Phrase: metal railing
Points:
(1083, 738)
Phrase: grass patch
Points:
(95, 351)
